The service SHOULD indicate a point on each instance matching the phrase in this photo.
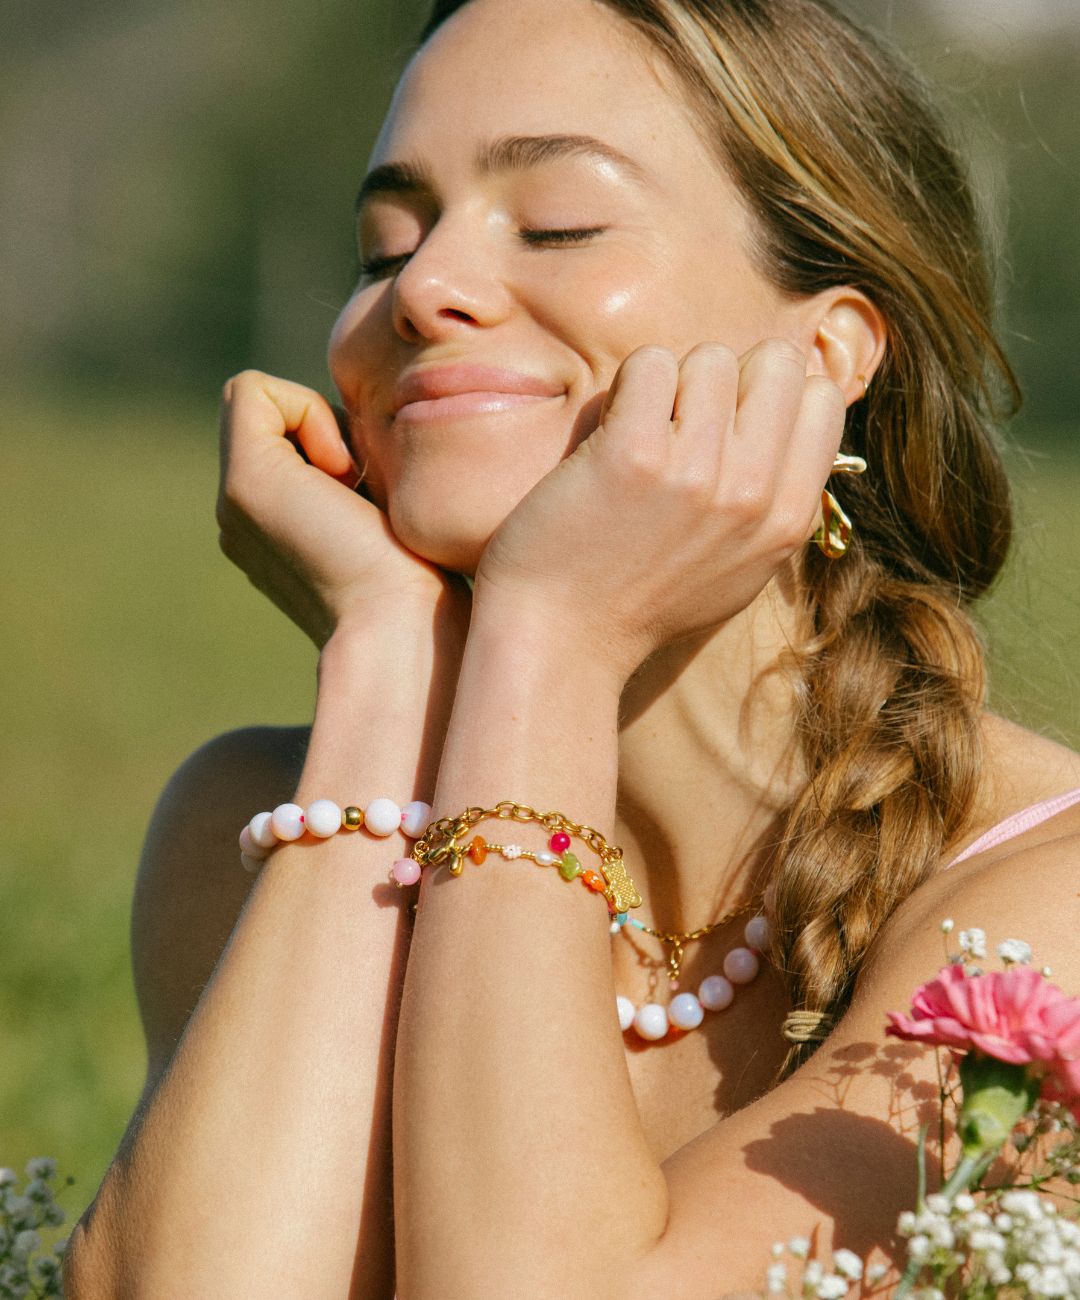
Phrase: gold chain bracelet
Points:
(440, 846)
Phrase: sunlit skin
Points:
(634, 534)
(671, 266)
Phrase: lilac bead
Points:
(250, 847)
(685, 1011)
(758, 933)
(406, 871)
(741, 965)
(287, 819)
(627, 1011)
(415, 817)
(716, 993)
(261, 830)
(382, 817)
(651, 1022)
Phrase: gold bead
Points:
(352, 818)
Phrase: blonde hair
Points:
(846, 169)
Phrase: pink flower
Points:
(1015, 1015)
(992, 1014)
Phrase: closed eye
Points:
(373, 268)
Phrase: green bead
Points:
(569, 866)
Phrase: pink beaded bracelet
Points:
(324, 818)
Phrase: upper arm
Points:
(190, 886)
(830, 1153)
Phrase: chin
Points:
(450, 531)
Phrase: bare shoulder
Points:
(190, 887)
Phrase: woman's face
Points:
(479, 271)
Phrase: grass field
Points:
(127, 640)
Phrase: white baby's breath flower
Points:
(54, 1215)
(41, 1167)
(875, 1273)
(831, 1287)
(8, 1177)
(947, 925)
(813, 1273)
(937, 1204)
(799, 1247)
(26, 1243)
(973, 942)
(848, 1264)
(1014, 952)
(918, 1248)
(777, 1249)
(776, 1279)
(965, 1203)
(984, 1240)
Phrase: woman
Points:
(634, 273)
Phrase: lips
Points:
(467, 389)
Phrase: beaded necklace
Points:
(652, 1021)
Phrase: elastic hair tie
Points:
(807, 1026)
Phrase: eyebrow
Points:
(508, 153)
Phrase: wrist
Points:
(552, 638)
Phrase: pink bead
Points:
(406, 871)
(716, 993)
(250, 847)
(758, 933)
(262, 832)
(741, 965)
(559, 842)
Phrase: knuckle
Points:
(717, 354)
(783, 352)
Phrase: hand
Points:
(701, 480)
(295, 524)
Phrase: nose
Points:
(450, 284)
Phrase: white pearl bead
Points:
(626, 1010)
(545, 858)
(249, 863)
(716, 993)
(741, 965)
(651, 1021)
(685, 1011)
(250, 848)
(287, 820)
(261, 830)
(415, 817)
(758, 933)
(323, 818)
(614, 927)
(382, 817)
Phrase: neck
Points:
(708, 760)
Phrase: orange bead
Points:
(478, 850)
(595, 882)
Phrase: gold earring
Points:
(865, 385)
(833, 534)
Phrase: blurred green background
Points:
(176, 183)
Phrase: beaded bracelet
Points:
(324, 818)
(438, 846)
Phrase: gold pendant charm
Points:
(621, 892)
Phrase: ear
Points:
(849, 337)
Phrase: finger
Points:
(818, 429)
(705, 403)
(259, 406)
(641, 399)
(772, 380)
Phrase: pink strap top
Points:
(1019, 822)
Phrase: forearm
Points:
(521, 1166)
(262, 1164)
